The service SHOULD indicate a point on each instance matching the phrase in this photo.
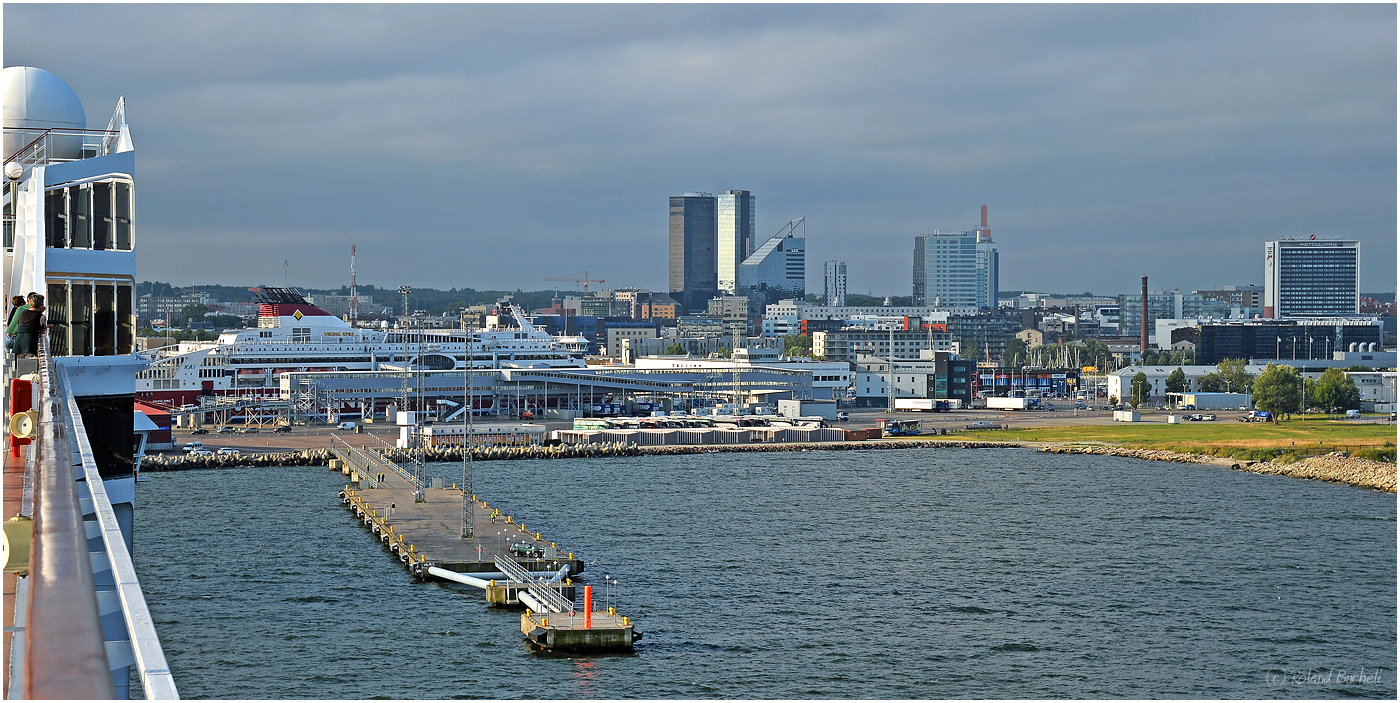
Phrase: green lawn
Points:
(1295, 437)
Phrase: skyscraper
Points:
(945, 269)
(957, 269)
(693, 272)
(834, 288)
(1312, 277)
(988, 265)
(736, 237)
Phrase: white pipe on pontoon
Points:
(531, 603)
(459, 578)
(488, 575)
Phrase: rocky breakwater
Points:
(1148, 454)
(320, 457)
(182, 462)
(1336, 467)
(822, 447)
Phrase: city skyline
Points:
(1111, 141)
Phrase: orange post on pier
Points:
(587, 607)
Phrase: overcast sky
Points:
(494, 146)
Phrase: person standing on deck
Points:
(17, 304)
(29, 324)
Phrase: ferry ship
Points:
(294, 335)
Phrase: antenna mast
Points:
(354, 297)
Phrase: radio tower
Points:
(354, 298)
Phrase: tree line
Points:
(1280, 391)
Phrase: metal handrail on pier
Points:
(368, 464)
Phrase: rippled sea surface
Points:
(874, 574)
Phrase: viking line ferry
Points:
(294, 335)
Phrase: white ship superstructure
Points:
(293, 335)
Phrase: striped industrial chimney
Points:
(1144, 314)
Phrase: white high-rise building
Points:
(1312, 277)
(735, 213)
(957, 269)
(834, 288)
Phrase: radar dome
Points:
(36, 100)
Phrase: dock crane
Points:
(585, 280)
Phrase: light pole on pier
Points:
(468, 444)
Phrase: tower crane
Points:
(585, 280)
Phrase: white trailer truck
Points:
(1009, 403)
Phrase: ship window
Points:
(123, 216)
(101, 216)
(57, 303)
(56, 214)
(126, 322)
(81, 319)
(80, 217)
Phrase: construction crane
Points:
(585, 280)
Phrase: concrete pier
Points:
(430, 533)
(569, 632)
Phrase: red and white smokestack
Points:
(1144, 314)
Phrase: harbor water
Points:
(995, 573)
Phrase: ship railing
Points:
(40, 150)
(68, 649)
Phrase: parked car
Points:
(200, 431)
(283, 429)
(192, 446)
(226, 451)
(248, 430)
(227, 430)
(843, 416)
(201, 452)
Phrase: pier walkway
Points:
(430, 533)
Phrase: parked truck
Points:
(1010, 403)
(914, 404)
(927, 405)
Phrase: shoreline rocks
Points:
(320, 457)
(1333, 468)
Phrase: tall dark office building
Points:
(694, 272)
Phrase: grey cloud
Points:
(1106, 139)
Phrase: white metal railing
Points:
(150, 662)
(363, 461)
(39, 151)
(537, 587)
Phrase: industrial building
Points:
(1317, 338)
(937, 375)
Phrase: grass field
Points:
(1294, 438)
